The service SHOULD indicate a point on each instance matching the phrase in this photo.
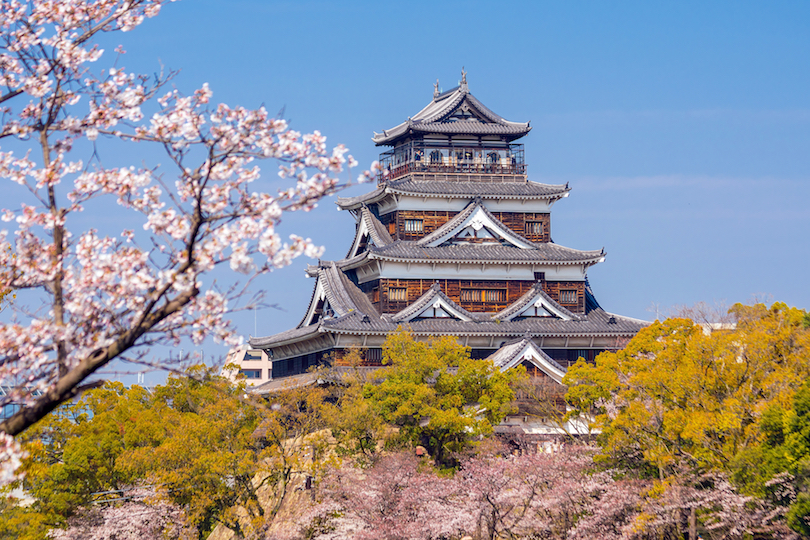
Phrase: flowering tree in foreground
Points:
(134, 519)
(556, 496)
(101, 297)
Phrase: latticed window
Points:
(398, 294)
(413, 225)
(534, 227)
(568, 296)
(483, 295)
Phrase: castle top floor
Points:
(454, 134)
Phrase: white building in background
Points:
(251, 365)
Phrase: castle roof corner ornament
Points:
(463, 85)
(436, 91)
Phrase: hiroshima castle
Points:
(454, 240)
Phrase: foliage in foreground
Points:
(680, 402)
(437, 395)
(218, 458)
(559, 496)
(191, 437)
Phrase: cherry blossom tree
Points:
(132, 519)
(97, 296)
(396, 499)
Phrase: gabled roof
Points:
(434, 298)
(343, 296)
(535, 297)
(478, 217)
(407, 185)
(524, 349)
(368, 225)
(454, 111)
(597, 323)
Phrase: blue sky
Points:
(682, 127)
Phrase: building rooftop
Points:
(456, 111)
(410, 185)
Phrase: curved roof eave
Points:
(442, 106)
(590, 262)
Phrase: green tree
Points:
(437, 395)
(197, 443)
(779, 467)
(73, 455)
(193, 437)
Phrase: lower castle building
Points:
(455, 240)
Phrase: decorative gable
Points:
(524, 351)
(438, 310)
(537, 309)
(535, 304)
(475, 225)
(434, 304)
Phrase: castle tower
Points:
(455, 240)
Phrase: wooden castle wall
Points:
(432, 220)
(380, 294)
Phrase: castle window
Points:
(413, 225)
(483, 295)
(568, 296)
(398, 294)
(534, 227)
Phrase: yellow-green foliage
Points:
(437, 395)
(685, 397)
(192, 437)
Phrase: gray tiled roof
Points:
(343, 295)
(471, 127)
(458, 190)
(296, 334)
(379, 233)
(484, 253)
(506, 355)
(432, 119)
(523, 302)
(485, 190)
(361, 318)
(595, 324)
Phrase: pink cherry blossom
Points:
(96, 295)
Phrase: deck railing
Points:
(416, 157)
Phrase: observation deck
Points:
(486, 162)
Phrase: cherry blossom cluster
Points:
(552, 495)
(556, 495)
(142, 515)
(10, 454)
(110, 294)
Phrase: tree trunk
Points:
(692, 523)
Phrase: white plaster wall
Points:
(398, 270)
